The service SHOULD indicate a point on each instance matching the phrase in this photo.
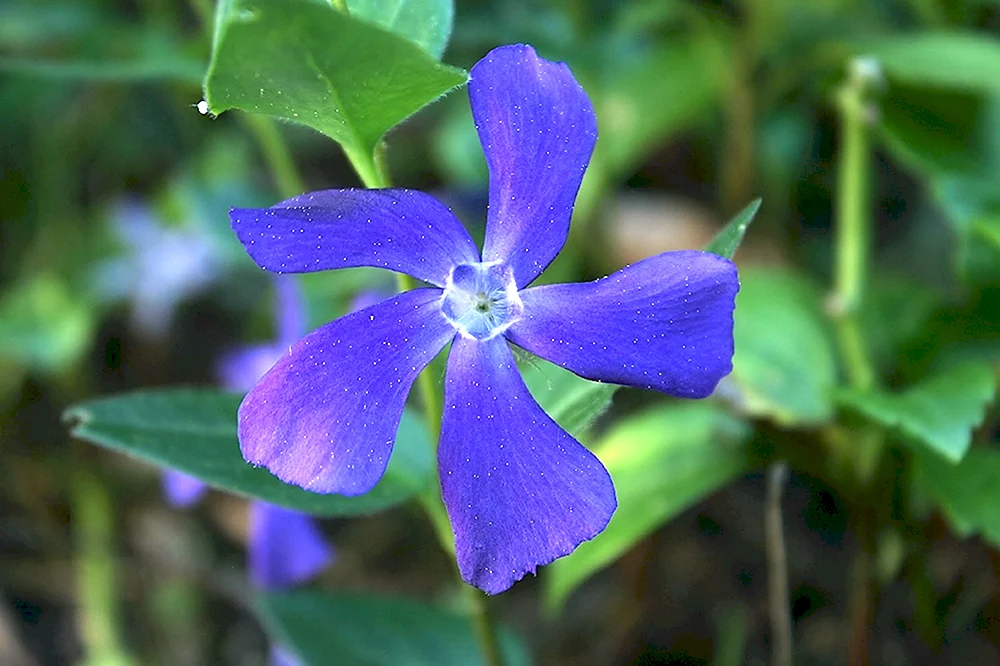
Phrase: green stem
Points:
(97, 585)
(485, 629)
(372, 169)
(853, 223)
(853, 249)
(374, 174)
(279, 158)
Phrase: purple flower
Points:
(285, 547)
(519, 490)
(182, 490)
(162, 265)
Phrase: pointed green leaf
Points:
(939, 412)
(573, 402)
(356, 630)
(426, 22)
(784, 366)
(306, 62)
(662, 461)
(967, 493)
(728, 240)
(194, 431)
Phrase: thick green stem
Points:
(853, 221)
(372, 169)
(96, 579)
(279, 158)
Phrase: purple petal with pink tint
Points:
(325, 416)
(520, 491)
(538, 131)
(401, 230)
(286, 547)
(664, 323)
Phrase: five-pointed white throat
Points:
(480, 300)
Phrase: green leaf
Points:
(194, 431)
(662, 461)
(92, 45)
(644, 100)
(939, 132)
(426, 22)
(939, 412)
(355, 630)
(142, 67)
(43, 325)
(955, 60)
(967, 493)
(728, 240)
(894, 313)
(784, 366)
(573, 402)
(306, 62)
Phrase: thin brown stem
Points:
(777, 567)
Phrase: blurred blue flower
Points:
(285, 547)
(161, 266)
(519, 490)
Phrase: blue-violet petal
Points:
(285, 547)
(182, 490)
(664, 323)
(519, 490)
(538, 130)
(240, 369)
(402, 230)
(325, 416)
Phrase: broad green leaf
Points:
(893, 314)
(939, 412)
(643, 101)
(784, 366)
(306, 62)
(728, 240)
(956, 60)
(988, 228)
(967, 493)
(573, 402)
(43, 325)
(194, 431)
(426, 22)
(662, 461)
(355, 630)
(939, 132)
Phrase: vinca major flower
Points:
(519, 490)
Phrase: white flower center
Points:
(480, 300)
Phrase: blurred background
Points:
(118, 270)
